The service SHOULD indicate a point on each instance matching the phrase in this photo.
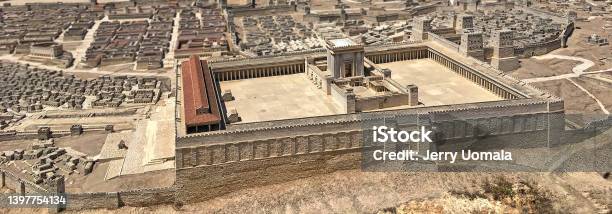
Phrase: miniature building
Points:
(571, 16)
(344, 58)
(472, 44)
(47, 50)
(76, 130)
(233, 116)
(464, 22)
(109, 128)
(75, 34)
(503, 51)
(420, 29)
(413, 93)
(227, 95)
(597, 40)
(121, 145)
(467, 5)
(201, 108)
(44, 133)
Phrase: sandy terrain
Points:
(601, 89)
(95, 182)
(362, 192)
(576, 101)
(89, 144)
(543, 68)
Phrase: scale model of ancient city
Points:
(262, 106)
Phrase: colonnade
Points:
(470, 74)
(398, 56)
(248, 73)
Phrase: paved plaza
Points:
(437, 84)
(277, 98)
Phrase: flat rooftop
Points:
(437, 84)
(277, 98)
(342, 42)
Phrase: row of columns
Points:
(471, 75)
(260, 72)
(398, 56)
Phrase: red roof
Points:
(199, 97)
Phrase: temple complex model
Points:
(148, 102)
(313, 106)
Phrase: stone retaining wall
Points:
(214, 164)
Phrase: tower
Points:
(344, 58)
(420, 29)
(472, 44)
(503, 51)
(464, 21)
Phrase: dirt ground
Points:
(90, 144)
(532, 68)
(576, 101)
(601, 89)
(365, 192)
(15, 144)
(95, 182)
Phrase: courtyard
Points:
(437, 84)
(278, 98)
